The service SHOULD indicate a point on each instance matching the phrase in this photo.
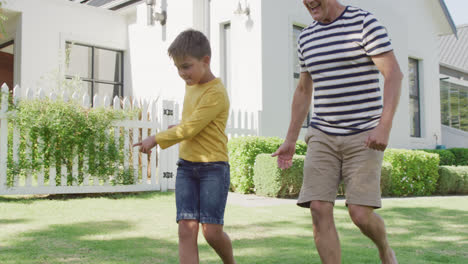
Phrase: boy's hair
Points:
(190, 43)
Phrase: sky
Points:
(458, 10)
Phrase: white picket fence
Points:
(156, 172)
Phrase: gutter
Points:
(449, 17)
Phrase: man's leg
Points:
(372, 225)
(219, 241)
(188, 247)
(325, 235)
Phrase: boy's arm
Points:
(210, 105)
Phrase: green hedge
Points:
(447, 158)
(453, 180)
(414, 172)
(461, 156)
(242, 154)
(274, 182)
(386, 179)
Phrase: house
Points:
(119, 47)
(454, 88)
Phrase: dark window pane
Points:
(415, 113)
(454, 107)
(464, 108)
(444, 103)
(414, 118)
(78, 60)
(107, 65)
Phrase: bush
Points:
(461, 156)
(386, 179)
(274, 182)
(453, 180)
(447, 158)
(414, 172)
(54, 132)
(242, 154)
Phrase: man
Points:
(341, 54)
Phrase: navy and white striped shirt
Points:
(347, 97)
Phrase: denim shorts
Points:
(201, 190)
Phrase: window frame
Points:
(93, 81)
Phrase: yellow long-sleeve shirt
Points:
(201, 131)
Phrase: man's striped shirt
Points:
(347, 97)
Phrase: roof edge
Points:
(449, 17)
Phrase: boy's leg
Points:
(214, 188)
(372, 225)
(188, 211)
(188, 247)
(219, 241)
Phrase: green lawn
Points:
(141, 229)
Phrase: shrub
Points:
(447, 158)
(274, 182)
(65, 129)
(453, 180)
(461, 156)
(386, 179)
(242, 154)
(413, 173)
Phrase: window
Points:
(226, 56)
(414, 100)
(297, 69)
(454, 105)
(100, 69)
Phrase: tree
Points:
(3, 19)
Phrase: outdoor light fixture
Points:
(242, 11)
(153, 15)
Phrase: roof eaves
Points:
(449, 17)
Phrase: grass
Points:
(141, 228)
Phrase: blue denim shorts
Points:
(201, 190)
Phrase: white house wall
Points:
(152, 72)
(47, 24)
(245, 88)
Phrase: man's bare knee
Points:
(321, 209)
(360, 214)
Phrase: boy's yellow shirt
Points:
(201, 132)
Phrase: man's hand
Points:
(171, 126)
(285, 153)
(378, 138)
(147, 144)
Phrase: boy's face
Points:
(192, 70)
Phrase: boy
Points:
(203, 175)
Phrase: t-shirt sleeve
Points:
(375, 38)
(300, 56)
(211, 104)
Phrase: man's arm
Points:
(388, 66)
(299, 109)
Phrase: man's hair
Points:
(190, 43)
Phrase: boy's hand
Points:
(171, 126)
(285, 154)
(147, 144)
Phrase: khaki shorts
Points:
(332, 159)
